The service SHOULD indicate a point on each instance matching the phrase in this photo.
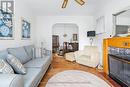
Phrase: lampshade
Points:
(64, 4)
(81, 2)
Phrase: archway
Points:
(65, 38)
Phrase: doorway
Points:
(65, 38)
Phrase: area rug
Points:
(75, 78)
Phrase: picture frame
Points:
(26, 29)
(6, 25)
(75, 37)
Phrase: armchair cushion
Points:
(85, 58)
(77, 54)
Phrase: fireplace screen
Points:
(119, 69)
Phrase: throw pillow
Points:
(20, 54)
(16, 64)
(5, 68)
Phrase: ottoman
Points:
(70, 56)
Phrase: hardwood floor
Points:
(59, 64)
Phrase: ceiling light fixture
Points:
(64, 4)
(81, 2)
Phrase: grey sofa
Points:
(36, 68)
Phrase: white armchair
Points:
(89, 56)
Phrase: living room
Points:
(26, 49)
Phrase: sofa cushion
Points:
(16, 64)
(84, 58)
(3, 54)
(5, 68)
(32, 77)
(20, 53)
(30, 50)
(11, 80)
(37, 62)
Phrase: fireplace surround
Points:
(119, 65)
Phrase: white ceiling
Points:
(53, 7)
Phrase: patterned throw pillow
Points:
(16, 64)
(5, 68)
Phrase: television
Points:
(91, 34)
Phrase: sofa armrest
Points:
(79, 53)
(46, 52)
(95, 58)
(41, 52)
(11, 80)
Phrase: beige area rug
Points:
(75, 78)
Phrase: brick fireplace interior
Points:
(119, 65)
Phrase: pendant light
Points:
(81, 2)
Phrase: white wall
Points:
(123, 21)
(20, 11)
(44, 26)
(61, 29)
(112, 7)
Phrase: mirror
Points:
(122, 23)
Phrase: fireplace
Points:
(119, 66)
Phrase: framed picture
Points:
(26, 32)
(75, 38)
(6, 25)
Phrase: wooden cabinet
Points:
(105, 56)
(66, 48)
(75, 46)
(120, 42)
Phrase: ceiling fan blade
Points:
(81, 2)
(64, 3)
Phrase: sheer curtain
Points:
(100, 30)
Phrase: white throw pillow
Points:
(16, 64)
(5, 68)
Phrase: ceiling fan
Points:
(65, 2)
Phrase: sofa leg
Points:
(51, 66)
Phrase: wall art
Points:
(26, 32)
